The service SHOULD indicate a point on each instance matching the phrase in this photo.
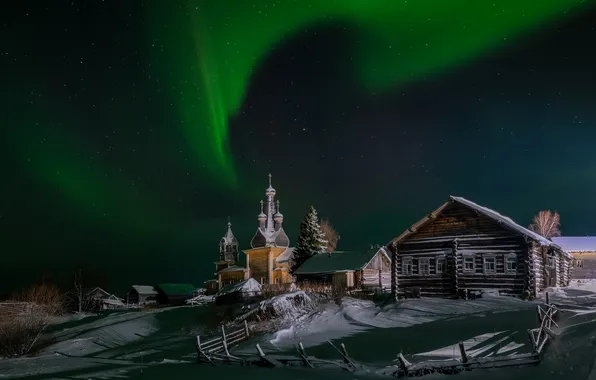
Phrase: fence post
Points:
(246, 329)
(225, 343)
(462, 350)
(394, 272)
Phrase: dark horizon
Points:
(102, 171)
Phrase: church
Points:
(269, 255)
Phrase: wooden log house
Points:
(462, 248)
(349, 269)
(583, 250)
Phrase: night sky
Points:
(132, 130)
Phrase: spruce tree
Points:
(311, 241)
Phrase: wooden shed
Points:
(141, 295)
(348, 269)
(583, 250)
(462, 248)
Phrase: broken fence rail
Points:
(220, 346)
(217, 349)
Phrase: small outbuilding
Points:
(370, 269)
(141, 295)
(174, 294)
(238, 292)
(462, 248)
(583, 250)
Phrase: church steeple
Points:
(270, 232)
(228, 246)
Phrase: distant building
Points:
(174, 294)
(462, 248)
(370, 269)
(238, 292)
(268, 259)
(141, 295)
(99, 299)
(226, 270)
(583, 250)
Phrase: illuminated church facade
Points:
(267, 259)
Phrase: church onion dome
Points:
(281, 239)
(259, 240)
(262, 216)
(278, 215)
(270, 191)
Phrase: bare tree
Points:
(78, 295)
(330, 234)
(547, 224)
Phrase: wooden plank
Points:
(269, 360)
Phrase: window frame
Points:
(410, 263)
(486, 259)
(425, 260)
(440, 259)
(469, 256)
(511, 258)
(551, 260)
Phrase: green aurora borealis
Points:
(133, 129)
(217, 46)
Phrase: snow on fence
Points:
(539, 337)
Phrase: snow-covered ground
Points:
(352, 316)
(160, 343)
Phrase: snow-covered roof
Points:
(504, 220)
(340, 261)
(97, 288)
(285, 256)
(145, 289)
(576, 243)
(233, 268)
(113, 302)
(250, 287)
(229, 237)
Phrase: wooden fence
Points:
(539, 337)
(219, 347)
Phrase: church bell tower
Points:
(228, 249)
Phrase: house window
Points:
(262, 280)
(550, 260)
(406, 265)
(469, 263)
(511, 263)
(490, 264)
(440, 264)
(424, 266)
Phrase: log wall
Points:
(456, 236)
(377, 272)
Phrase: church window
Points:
(262, 280)
(278, 280)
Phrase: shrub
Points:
(28, 315)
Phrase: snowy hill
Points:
(160, 343)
